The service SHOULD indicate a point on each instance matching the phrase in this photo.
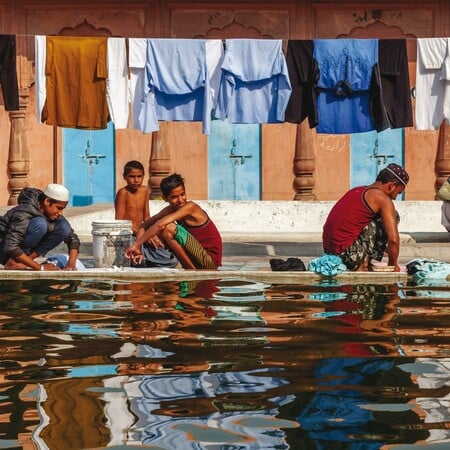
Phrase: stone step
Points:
(408, 250)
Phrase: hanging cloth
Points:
(432, 83)
(176, 84)
(8, 72)
(346, 67)
(117, 82)
(39, 74)
(392, 107)
(137, 51)
(255, 86)
(303, 74)
(76, 73)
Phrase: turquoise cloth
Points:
(328, 265)
(425, 269)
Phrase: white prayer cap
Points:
(57, 192)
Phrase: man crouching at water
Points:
(34, 227)
(184, 227)
(363, 224)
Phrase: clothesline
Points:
(223, 39)
(341, 85)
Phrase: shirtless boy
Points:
(132, 200)
(184, 227)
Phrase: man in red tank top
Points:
(363, 224)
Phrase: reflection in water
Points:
(224, 364)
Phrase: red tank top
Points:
(346, 220)
(209, 237)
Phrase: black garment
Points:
(303, 74)
(14, 225)
(291, 265)
(8, 72)
(392, 107)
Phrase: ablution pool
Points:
(224, 364)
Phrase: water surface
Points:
(224, 365)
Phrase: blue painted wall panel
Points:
(89, 165)
(234, 162)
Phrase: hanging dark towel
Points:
(291, 265)
(8, 72)
(303, 73)
(392, 107)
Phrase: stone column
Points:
(304, 163)
(159, 161)
(19, 156)
(443, 155)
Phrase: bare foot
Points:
(364, 267)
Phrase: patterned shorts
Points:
(371, 243)
(198, 255)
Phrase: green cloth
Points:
(181, 235)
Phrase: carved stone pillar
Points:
(443, 155)
(304, 163)
(159, 161)
(19, 155)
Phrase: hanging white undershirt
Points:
(117, 93)
(39, 75)
(137, 48)
(432, 83)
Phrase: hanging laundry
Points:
(117, 82)
(40, 43)
(177, 83)
(255, 86)
(137, 54)
(432, 83)
(76, 73)
(391, 105)
(303, 74)
(214, 59)
(8, 72)
(346, 67)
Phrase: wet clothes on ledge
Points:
(8, 72)
(76, 73)
(255, 86)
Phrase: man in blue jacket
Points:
(34, 227)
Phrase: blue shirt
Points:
(176, 83)
(255, 86)
(346, 67)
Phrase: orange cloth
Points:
(76, 72)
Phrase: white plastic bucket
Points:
(110, 239)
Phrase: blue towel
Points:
(328, 265)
